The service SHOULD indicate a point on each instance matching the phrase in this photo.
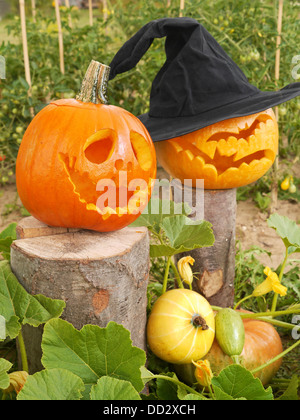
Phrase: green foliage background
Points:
(247, 31)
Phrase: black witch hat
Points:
(198, 85)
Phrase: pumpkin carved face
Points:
(85, 165)
(228, 154)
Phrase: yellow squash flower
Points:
(184, 268)
(16, 381)
(203, 372)
(271, 284)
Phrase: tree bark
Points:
(214, 267)
(102, 277)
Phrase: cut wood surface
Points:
(30, 227)
(102, 277)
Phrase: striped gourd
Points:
(181, 326)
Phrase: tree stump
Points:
(102, 277)
(214, 267)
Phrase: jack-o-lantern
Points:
(227, 154)
(85, 164)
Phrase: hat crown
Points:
(197, 75)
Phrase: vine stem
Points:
(169, 262)
(241, 301)
(166, 275)
(23, 352)
(180, 285)
(175, 381)
(274, 303)
(279, 356)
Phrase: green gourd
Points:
(230, 333)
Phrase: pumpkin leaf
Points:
(183, 235)
(236, 382)
(288, 230)
(19, 307)
(189, 234)
(4, 378)
(167, 390)
(157, 210)
(93, 352)
(7, 236)
(108, 388)
(291, 393)
(52, 385)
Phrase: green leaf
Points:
(108, 388)
(236, 382)
(157, 210)
(7, 236)
(146, 375)
(4, 378)
(19, 307)
(167, 390)
(52, 385)
(287, 229)
(291, 393)
(93, 352)
(184, 235)
(188, 234)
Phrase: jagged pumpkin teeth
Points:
(209, 148)
(228, 154)
(176, 146)
(189, 155)
(227, 147)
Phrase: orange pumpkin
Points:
(86, 164)
(262, 343)
(228, 154)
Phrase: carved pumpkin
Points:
(86, 164)
(228, 154)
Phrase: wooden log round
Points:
(214, 267)
(102, 277)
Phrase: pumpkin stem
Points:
(199, 321)
(94, 84)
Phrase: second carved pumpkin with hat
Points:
(207, 121)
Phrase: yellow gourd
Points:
(181, 326)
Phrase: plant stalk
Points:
(94, 85)
(23, 352)
(177, 275)
(279, 356)
(275, 298)
(165, 282)
(175, 381)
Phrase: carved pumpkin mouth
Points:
(228, 150)
(86, 190)
(225, 156)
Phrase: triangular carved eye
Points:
(142, 150)
(100, 146)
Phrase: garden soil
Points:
(251, 224)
